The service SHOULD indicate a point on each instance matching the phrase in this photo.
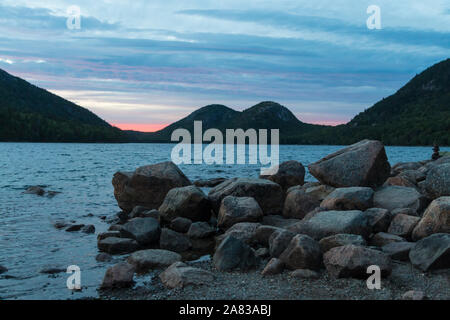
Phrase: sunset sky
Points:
(144, 64)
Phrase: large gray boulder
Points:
(436, 219)
(188, 202)
(395, 197)
(180, 275)
(351, 198)
(145, 231)
(145, 260)
(432, 252)
(118, 276)
(268, 194)
(289, 173)
(398, 250)
(303, 252)
(174, 241)
(114, 245)
(298, 204)
(328, 223)
(147, 186)
(238, 209)
(244, 231)
(363, 164)
(341, 239)
(437, 183)
(353, 261)
(233, 254)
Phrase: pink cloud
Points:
(143, 127)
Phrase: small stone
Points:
(304, 274)
(103, 257)
(118, 276)
(414, 295)
(88, 229)
(74, 227)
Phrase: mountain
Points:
(264, 115)
(29, 113)
(417, 114)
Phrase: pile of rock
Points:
(362, 212)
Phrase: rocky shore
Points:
(279, 237)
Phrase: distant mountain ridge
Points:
(417, 114)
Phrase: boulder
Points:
(238, 209)
(342, 239)
(381, 239)
(303, 252)
(201, 230)
(394, 197)
(352, 261)
(147, 186)
(436, 219)
(180, 275)
(279, 241)
(262, 235)
(319, 192)
(304, 274)
(180, 224)
(209, 183)
(274, 266)
(398, 250)
(145, 260)
(115, 245)
(379, 219)
(103, 257)
(108, 234)
(402, 225)
(402, 166)
(432, 252)
(187, 202)
(278, 221)
(36, 190)
(298, 204)
(145, 231)
(118, 276)
(401, 181)
(407, 211)
(262, 253)
(88, 229)
(328, 223)
(137, 212)
(244, 231)
(74, 227)
(174, 241)
(233, 254)
(268, 194)
(437, 183)
(363, 164)
(352, 198)
(289, 173)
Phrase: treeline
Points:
(26, 126)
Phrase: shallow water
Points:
(83, 173)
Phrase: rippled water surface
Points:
(83, 173)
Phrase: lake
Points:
(83, 173)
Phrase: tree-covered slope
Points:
(29, 113)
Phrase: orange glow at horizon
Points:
(143, 127)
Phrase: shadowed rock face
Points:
(147, 186)
(290, 173)
(188, 202)
(432, 252)
(363, 164)
(268, 194)
(234, 254)
(395, 197)
(238, 209)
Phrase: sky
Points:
(145, 64)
